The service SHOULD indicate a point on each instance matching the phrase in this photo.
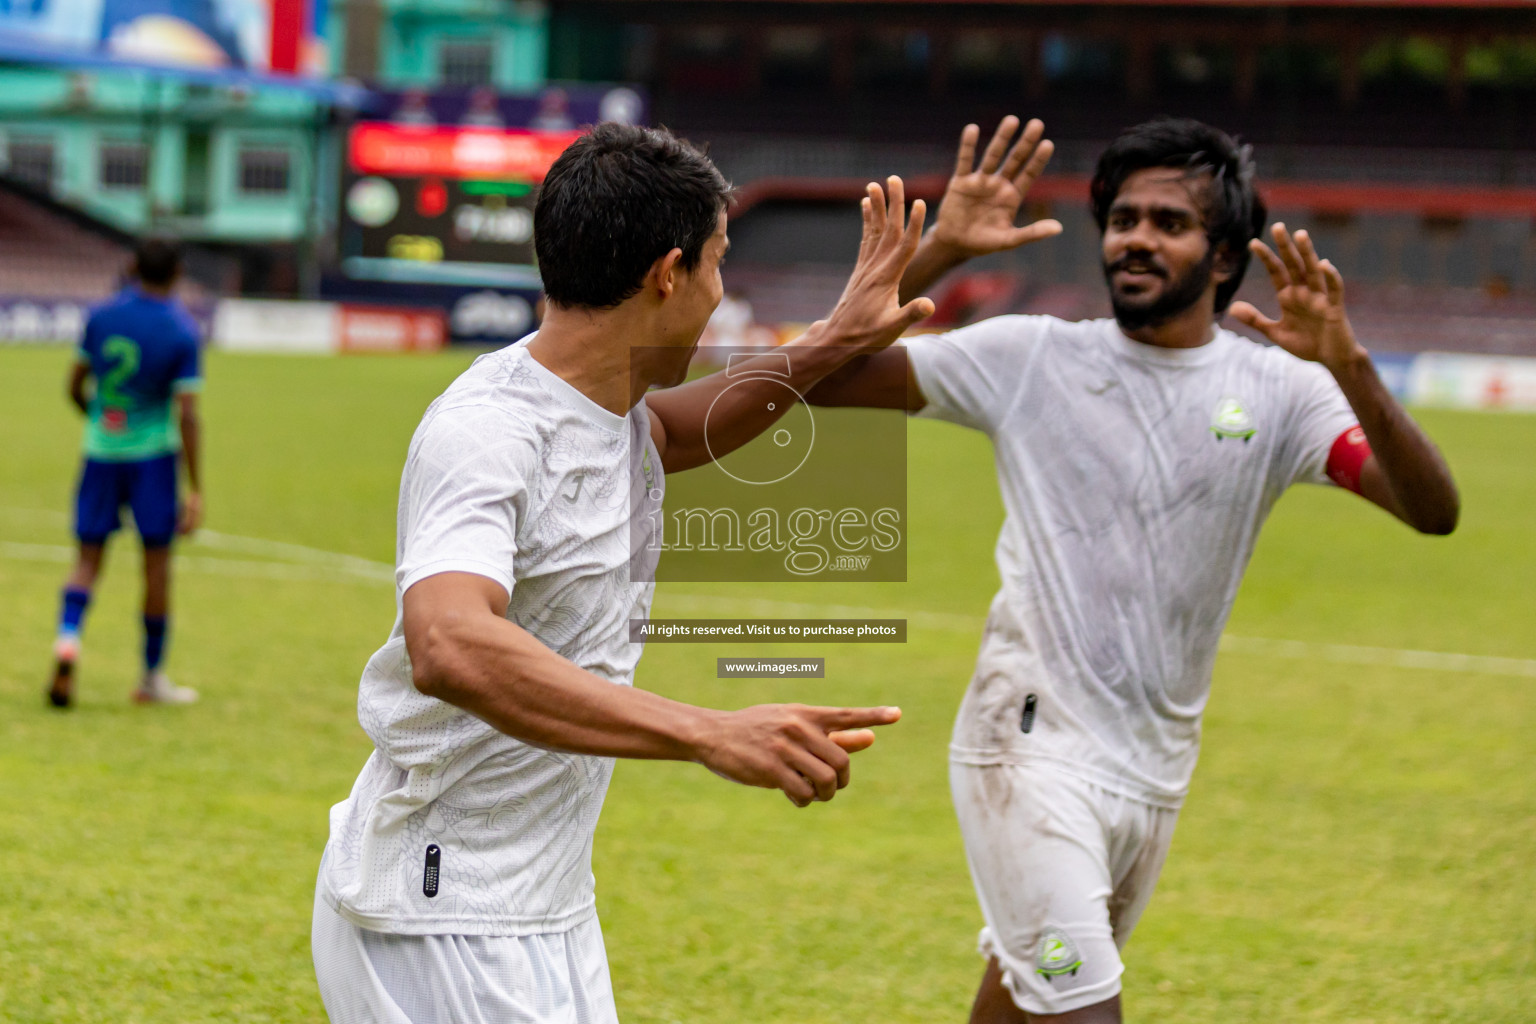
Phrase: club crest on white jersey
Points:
(1231, 419)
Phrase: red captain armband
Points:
(1347, 458)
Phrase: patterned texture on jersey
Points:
(1135, 480)
(516, 476)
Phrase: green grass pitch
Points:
(1360, 844)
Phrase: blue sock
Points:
(154, 641)
(76, 601)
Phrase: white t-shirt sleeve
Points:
(969, 376)
(464, 490)
(1319, 414)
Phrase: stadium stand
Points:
(1437, 254)
(50, 251)
(1399, 134)
(1462, 284)
(46, 254)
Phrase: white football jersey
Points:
(1134, 480)
(454, 827)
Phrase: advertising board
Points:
(382, 329)
(475, 315)
(445, 195)
(1459, 381)
(438, 188)
(284, 327)
(268, 36)
(275, 325)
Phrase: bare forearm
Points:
(878, 380)
(868, 317)
(1414, 470)
(502, 675)
(932, 262)
(78, 376)
(739, 403)
(191, 452)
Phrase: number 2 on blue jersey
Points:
(125, 352)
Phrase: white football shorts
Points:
(1063, 870)
(373, 978)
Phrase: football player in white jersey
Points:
(457, 883)
(1137, 459)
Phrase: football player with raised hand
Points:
(1138, 457)
(457, 882)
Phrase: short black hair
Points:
(156, 262)
(616, 201)
(1234, 211)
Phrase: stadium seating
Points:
(749, 157)
(44, 254)
(1396, 318)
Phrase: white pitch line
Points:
(297, 561)
(373, 572)
(18, 552)
(317, 564)
(285, 550)
(1389, 657)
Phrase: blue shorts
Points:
(148, 487)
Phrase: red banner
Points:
(288, 18)
(495, 153)
(387, 329)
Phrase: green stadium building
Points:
(228, 145)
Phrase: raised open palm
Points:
(870, 311)
(982, 201)
(1312, 323)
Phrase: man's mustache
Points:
(1142, 265)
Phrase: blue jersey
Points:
(142, 351)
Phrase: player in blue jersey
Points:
(136, 380)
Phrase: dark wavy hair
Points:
(1234, 212)
(616, 201)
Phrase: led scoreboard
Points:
(442, 203)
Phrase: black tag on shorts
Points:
(429, 879)
(1027, 720)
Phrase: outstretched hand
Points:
(1312, 323)
(982, 202)
(799, 750)
(870, 312)
(868, 317)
